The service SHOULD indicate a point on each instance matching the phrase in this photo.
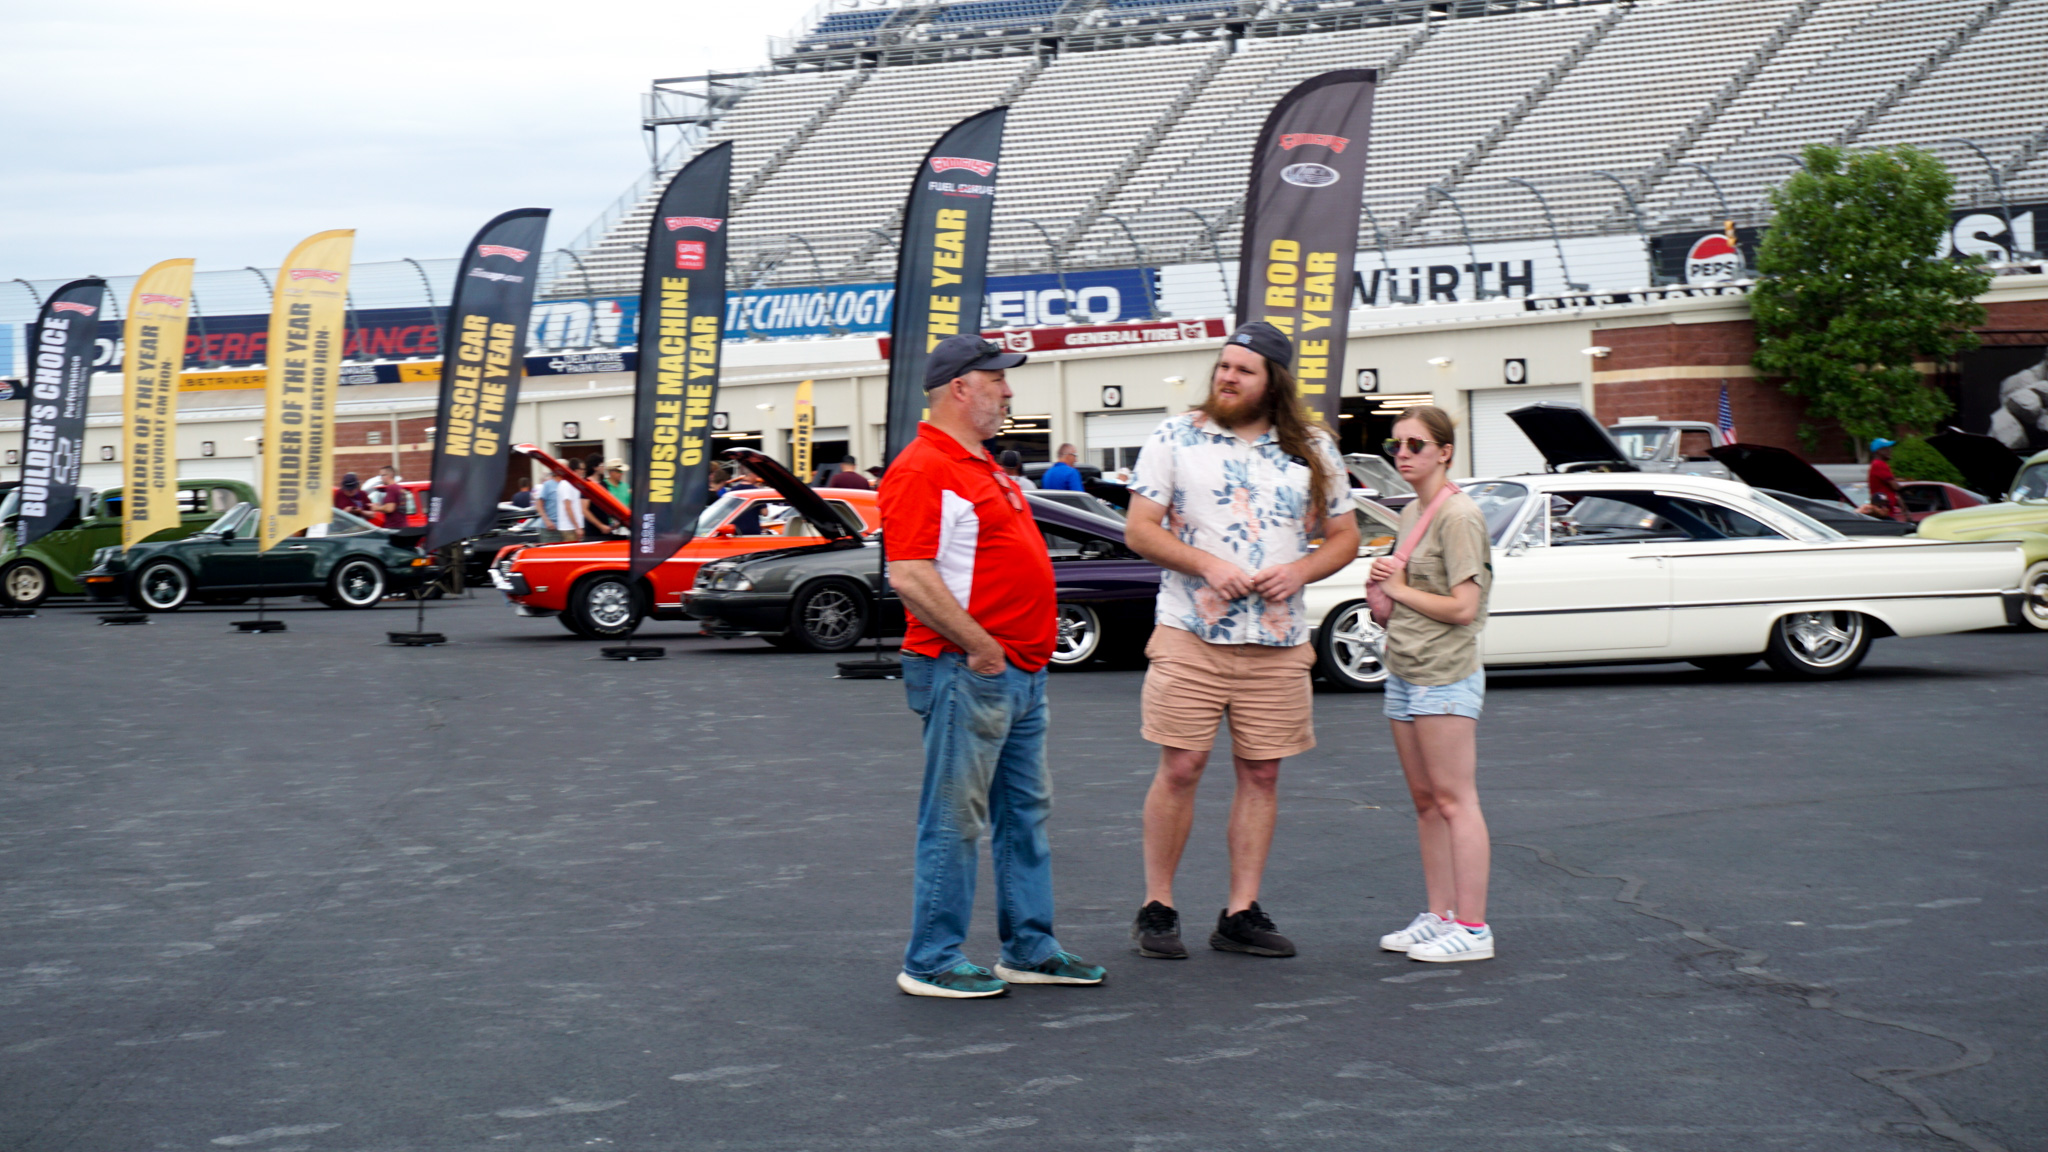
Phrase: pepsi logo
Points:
(1712, 259)
(1309, 175)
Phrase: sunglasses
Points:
(1414, 444)
(1010, 490)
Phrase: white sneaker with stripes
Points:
(1425, 926)
(1454, 945)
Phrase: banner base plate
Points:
(124, 618)
(882, 669)
(633, 653)
(415, 639)
(253, 627)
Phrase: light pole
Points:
(1555, 242)
(1379, 241)
(1997, 185)
(429, 284)
(1144, 275)
(1635, 212)
(1053, 255)
(1209, 230)
(1479, 289)
(1727, 213)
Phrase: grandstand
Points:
(1132, 120)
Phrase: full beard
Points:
(1232, 411)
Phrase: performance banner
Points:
(942, 269)
(308, 331)
(804, 423)
(59, 379)
(1301, 226)
(682, 317)
(154, 336)
(485, 346)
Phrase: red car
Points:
(583, 585)
(1923, 498)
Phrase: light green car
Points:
(2021, 516)
(54, 563)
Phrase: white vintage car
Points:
(1603, 568)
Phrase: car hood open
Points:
(1987, 465)
(1568, 435)
(1767, 466)
(801, 496)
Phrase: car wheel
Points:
(24, 583)
(1818, 645)
(1079, 640)
(1348, 648)
(357, 583)
(603, 607)
(2034, 610)
(830, 616)
(160, 586)
(1724, 665)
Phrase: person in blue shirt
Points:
(1063, 474)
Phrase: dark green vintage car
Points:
(346, 562)
(53, 564)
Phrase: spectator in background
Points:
(350, 497)
(615, 481)
(549, 504)
(1013, 463)
(524, 497)
(387, 500)
(1884, 487)
(572, 521)
(1063, 475)
(847, 476)
(597, 522)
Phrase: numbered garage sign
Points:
(1515, 371)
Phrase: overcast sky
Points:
(227, 130)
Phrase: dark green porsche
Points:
(346, 563)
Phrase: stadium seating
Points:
(1142, 114)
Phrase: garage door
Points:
(1498, 447)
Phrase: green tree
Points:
(1915, 459)
(1851, 291)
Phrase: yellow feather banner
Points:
(153, 344)
(308, 333)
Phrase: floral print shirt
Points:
(1239, 500)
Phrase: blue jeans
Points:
(984, 763)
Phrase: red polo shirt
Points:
(941, 502)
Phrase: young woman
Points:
(1435, 687)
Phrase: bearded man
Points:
(1230, 499)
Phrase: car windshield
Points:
(11, 506)
(1639, 443)
(232, 518)
(716, 514)
(1800, 526)
(2032, 484)
(1500, 500)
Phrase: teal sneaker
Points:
(1058, 968)
(963, 982)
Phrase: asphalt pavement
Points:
(306, 892)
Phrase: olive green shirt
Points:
(1456, 549)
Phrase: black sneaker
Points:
(1157, 931)
(1249, 931)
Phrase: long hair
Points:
(1296, 431)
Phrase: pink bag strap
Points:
(1407, 546)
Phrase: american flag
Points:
(1727, 419)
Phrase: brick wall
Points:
(363, 446)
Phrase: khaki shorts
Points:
(1192, 684)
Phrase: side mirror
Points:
(227, 534)
(726, 530)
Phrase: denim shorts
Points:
(1406, 701)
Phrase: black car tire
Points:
(1080, 638)
(356, 583)
(2034, 610)
(828, 616)
(24, 584)
(160, 586)
(604, 607)
(1818, 645)
(1724, 665)
(1346, 653)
